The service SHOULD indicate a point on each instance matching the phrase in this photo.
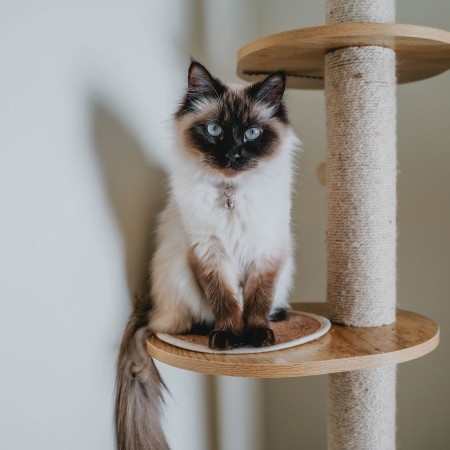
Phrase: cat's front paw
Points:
(259, 336)
(224, 340)
(278, 315)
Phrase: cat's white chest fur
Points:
(258, 223)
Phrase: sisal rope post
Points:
(361, 170)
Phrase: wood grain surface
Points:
(342, 349)
(422, 52)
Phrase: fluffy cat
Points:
(224, 246)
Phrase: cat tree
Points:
(357, 58)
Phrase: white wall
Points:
(86, 90)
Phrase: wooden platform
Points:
(422, 52)
(341, 349)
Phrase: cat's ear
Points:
(270, 90)
(201, 82)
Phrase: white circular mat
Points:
(298, 328)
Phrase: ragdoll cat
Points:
(224, 248)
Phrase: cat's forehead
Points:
(236, 106)
(231, 105)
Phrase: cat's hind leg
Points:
(177, 301)
(281, 297)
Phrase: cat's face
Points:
(231, 129)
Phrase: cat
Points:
(224, 246)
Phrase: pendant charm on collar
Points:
(229, 194)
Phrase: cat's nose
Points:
(233, 155)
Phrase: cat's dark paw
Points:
(224, 340)
(202, 329)
(259, 336)
(278, 315)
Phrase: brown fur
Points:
(258, 293)
(138, 389)
(222, 298)
(258, 296)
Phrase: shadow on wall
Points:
(135, 190)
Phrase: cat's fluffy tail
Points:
(138, 390)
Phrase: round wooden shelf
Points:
(342, 349)
(422, 52)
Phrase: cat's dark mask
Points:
(232, 128)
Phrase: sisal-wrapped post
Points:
(361, 187)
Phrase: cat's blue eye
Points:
(213, 129)
(253, 133)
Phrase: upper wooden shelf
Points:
(342, 349)
(422, 52)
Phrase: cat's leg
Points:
(284, 284)
(218, 281)
(177, 301)
(259, 290)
